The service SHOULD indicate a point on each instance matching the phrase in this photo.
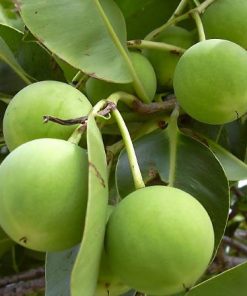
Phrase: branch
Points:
(23, 288)
(79, 120)
(23, 276)
(235, 244)
(155, 107)
(137, 106)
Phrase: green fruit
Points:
(226, 19)
(108, 282)
(210, 81)
(98, 89)
(164, 62)
(23, 119)
(159, 240)
(43, 194)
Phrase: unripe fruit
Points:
(226, 19)
(108, 282)
(210, 81)
(98, 89)
(23, 119)
(159, 240)
(164, 62)
(43, 194)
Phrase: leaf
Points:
(58, 270)
(81, 33)
(7, 56)
(86, 268)
(143, 16)
(231, 283)
(236, 170)
(9, 16)
(191, 165)
(31, 56)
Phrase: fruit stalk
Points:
(199, 25)
(155, 45)
(77, 134)
(135, 170)
(173, 132)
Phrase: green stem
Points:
(196, 2)
(173, 137)
(155, 45)
(199, 25)
(219, 133)
(179, 10)
(135, 170)
(204, 5)
(77, 134)
(124, 97)
(136, 81)
(174, 20)
(175, 15)
(145, 129)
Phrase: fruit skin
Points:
(210, 81)
(108, 282)
(99, 89)
(159, 240)
(43, 194)
(23, 119)
(164, 62)
(226, 19)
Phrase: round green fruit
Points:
(99, 89)
(164, 62)
(43, 194)
(226, 19)
(108, 282)
(210, 81)
(159, 240)
(23, 119)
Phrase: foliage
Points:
(131, 143)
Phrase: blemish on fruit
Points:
(97, 173)
(237, 114)
(23, 240)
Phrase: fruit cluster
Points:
(159, 240)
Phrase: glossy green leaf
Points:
(85, 272)
(82, 34)
(191, 165)
(143, 16)
(236, 170)
(229, 283)
(32, 57)
(58, 270)
(7, 56)
(9, 16)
